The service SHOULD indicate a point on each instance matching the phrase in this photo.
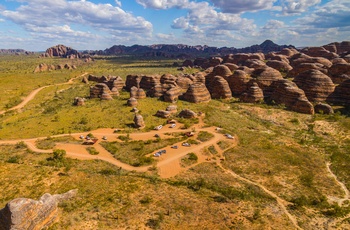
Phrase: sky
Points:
(36, 25)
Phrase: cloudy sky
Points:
(98, 24)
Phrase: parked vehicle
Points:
(174, 147)
(172, 126)
(159, 127)
(104, 138)
(186, 144)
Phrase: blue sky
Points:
(98, 24)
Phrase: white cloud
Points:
(297, 6)
(333, 14)
(118, 3)
(202, 18)
(239, 6)
(162, 4)
(41, 16)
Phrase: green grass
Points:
(92, 151)
(50, 142)
(189, 159)
(204, 136)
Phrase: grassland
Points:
(283, 151)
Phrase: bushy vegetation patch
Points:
(135, 152)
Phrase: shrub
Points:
(204, 136)
(92, 151)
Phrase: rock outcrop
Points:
(172, 94)
(219, 88)
(23, 213)
(253, 95)
(316, 85)
(341, 94)
(132, 102)
(265, 77)
(137, 93)
(62, 51)
(287, 92)
(339, 72)
(323, 108)
(132, 81)
(187, 113)
(138, 121)
(238, 82)
(100, 90)
(163, 114)
(172, 109)
(279, 65)
(197, 93)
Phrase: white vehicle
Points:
(172, 125)
(81, 137)
(229, 136)
(186, 144)
(104, 138)
(158, 127)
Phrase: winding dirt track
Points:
(36, 91)
(340, 201)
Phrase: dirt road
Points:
(32, 94)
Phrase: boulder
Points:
(304, 67)
(341, 94)
(219, 88)
(132, 81)
(231, 66)
(197, 93)
(253, 95)
(117, 82)
(307, 59)
(79, 101)
(172, 94)
(132, 102)
(221, 70)
(265, 77)
(149, 81)
(172, 108)
(254, 63)
(238, 82)
(187, 113)
(24, 213)
(279, 65)
(184, 83)
(288, 52)
(323, 108)
(287, 92)
(319, 52)
(138, 121)
(316, 85)
(100, 90)
(339, 72)
(163, 114)
(137, 93)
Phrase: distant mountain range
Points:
(14, 51)
(186, 51)
(168, 51)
